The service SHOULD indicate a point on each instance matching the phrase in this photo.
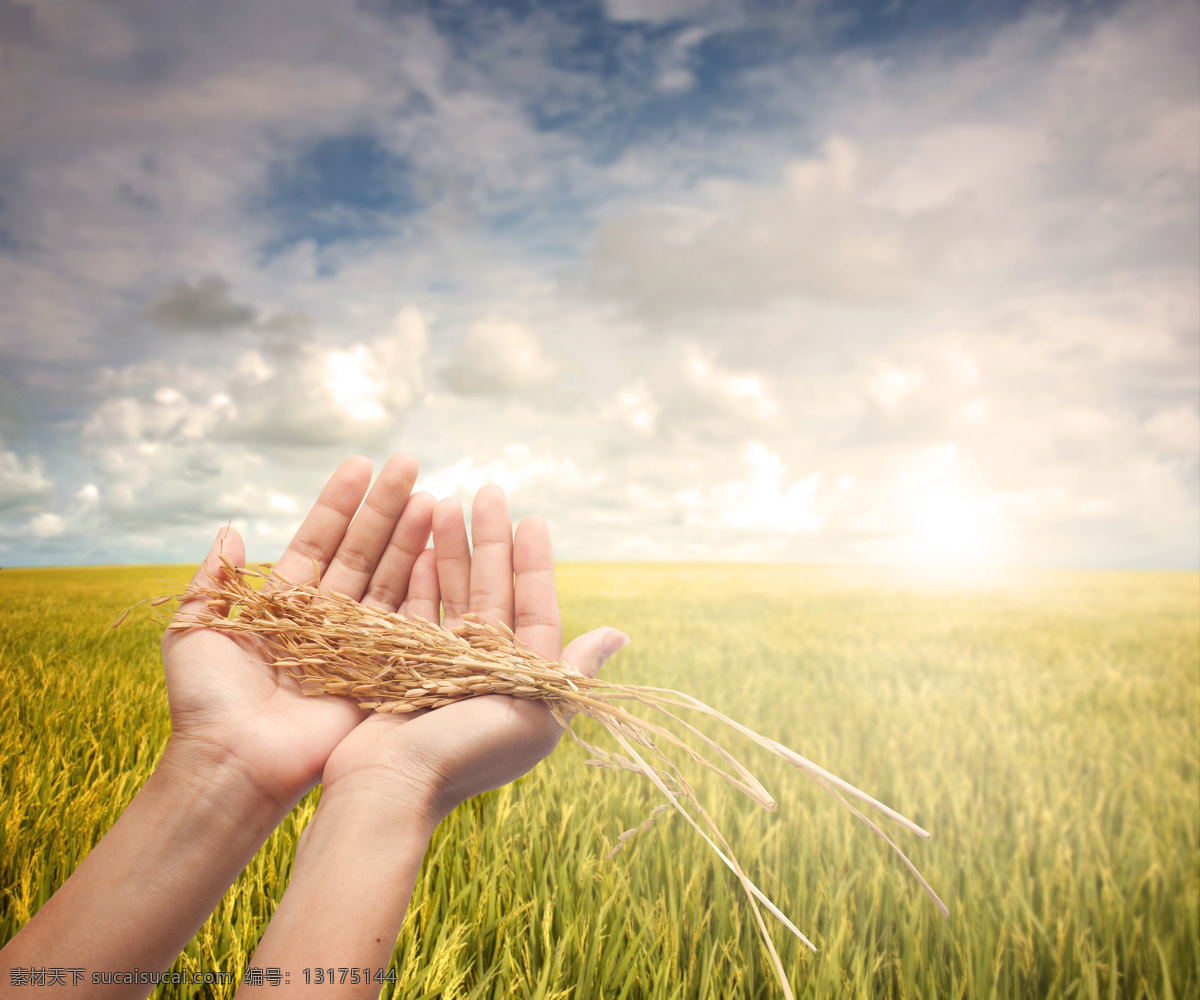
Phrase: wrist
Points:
(380, 802)
(207, 774)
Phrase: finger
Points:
(211, 572)
(389, 585)
(325, 525)
(491, 557)
(423, 595)
(357, 556)
(453, 556)
(587, 652)
(538, 621)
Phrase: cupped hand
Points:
(226, 702)
(449, 754)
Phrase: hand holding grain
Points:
(393, 777)
(447, 756)
(226, 703)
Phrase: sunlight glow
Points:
(352, 388)
(950, 524)
(952, 527)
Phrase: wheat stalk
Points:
(334, 645)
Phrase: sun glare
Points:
(952, 528)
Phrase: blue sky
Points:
(881, 283)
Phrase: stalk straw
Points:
(334, 645)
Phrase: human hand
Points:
(228, 703)
(439, 758)
(392, 779)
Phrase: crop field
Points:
(1045, 730)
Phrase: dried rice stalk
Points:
(334, 645)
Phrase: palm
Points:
(460, 750)
(225, 695)
(223, 692)
(451, 754)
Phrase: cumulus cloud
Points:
(686, 392)
(516, 470)
(889, 387)
(24, 486)
(634, 408)
(823, 232)
(740, 391)
(46, 525)
(498, 358)
(162, 454)
(763, 501)
(312, 395)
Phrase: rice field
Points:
(1046, 730)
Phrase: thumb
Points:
(587, 652)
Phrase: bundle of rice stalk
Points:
(335, 646)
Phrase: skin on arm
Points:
(245, 746)
(395, 777)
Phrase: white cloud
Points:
(890, 387)
(166, 455)
(634, 408)
(761, 502)
(1176, 431)
(46, 525)
(253, 368)
(349, 381)
(823, 232)
(498, 358)
(975, 410)
(314, 396)
(742, 391)
(516, 470)
(24, 486)
(281, 502)
(961, 365)
(688, 396)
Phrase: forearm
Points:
(141, 894)
(354, 873)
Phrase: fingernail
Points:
(612, 642)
